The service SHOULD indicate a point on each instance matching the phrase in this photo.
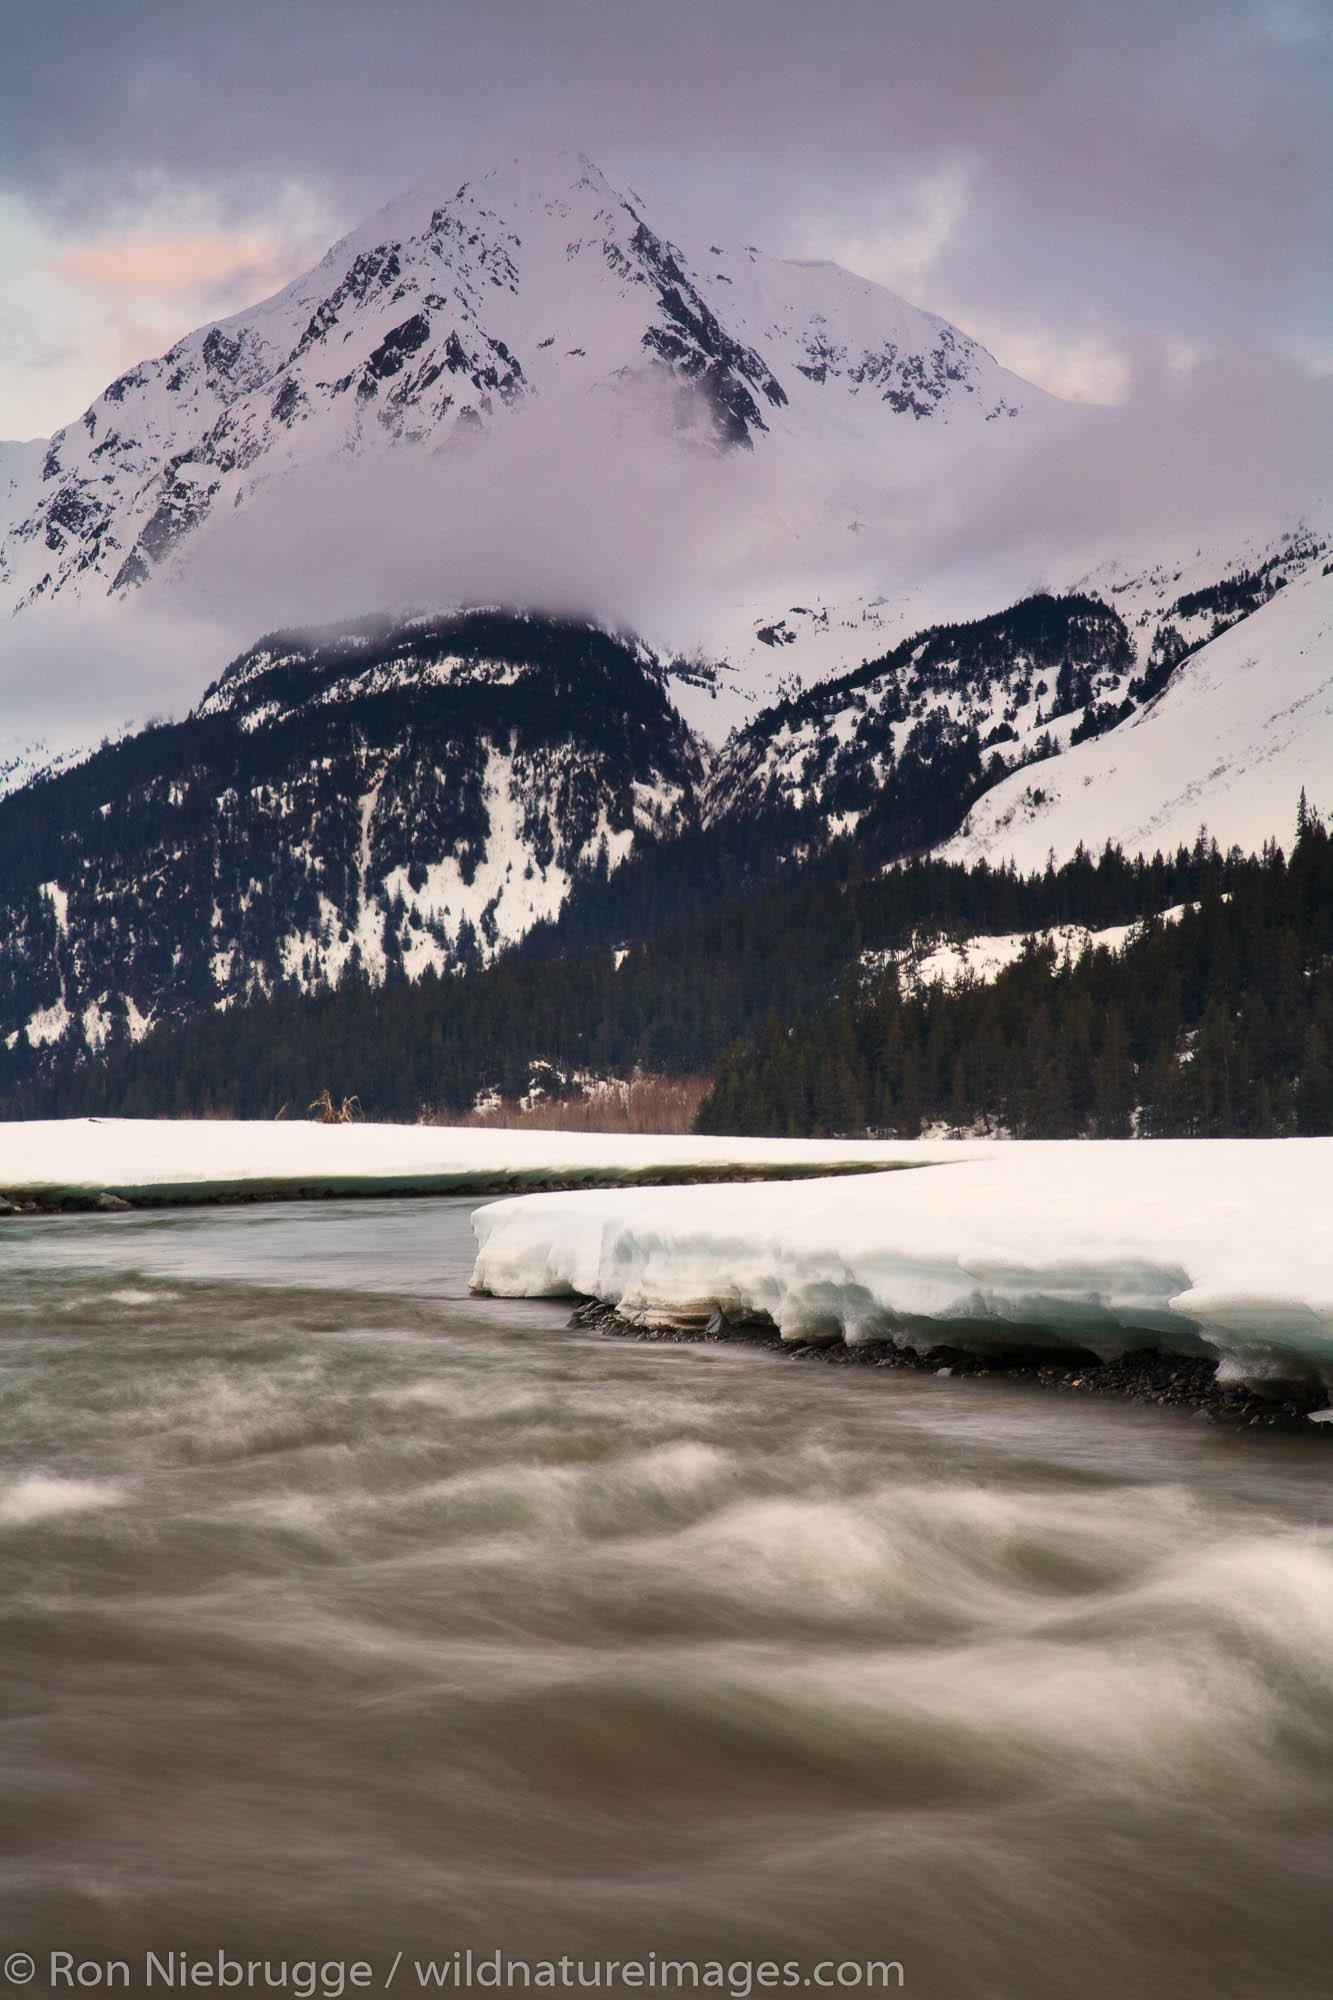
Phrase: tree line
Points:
(1217, 1024)
(672, 1001)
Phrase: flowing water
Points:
(350, 1621)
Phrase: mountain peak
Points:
(521, 179)
(537, 285)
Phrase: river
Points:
(351, 1621)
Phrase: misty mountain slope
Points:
(1174, 604)
(374, 804)
(389, 798)
(1238, 728)
(450, 319)
(887, 759)
(896, 750)
(894, 753)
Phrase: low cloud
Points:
(591, 512)
(74, 674)
(587, 510)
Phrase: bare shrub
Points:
(647, 1104)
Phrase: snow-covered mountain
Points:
(896, 749)
(371, 805)
(382, 801)
(445, 319)
(536, 392)
(533, 389)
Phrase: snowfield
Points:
(159, 1160)
(1195, 1246)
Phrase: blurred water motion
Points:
(347, 1614)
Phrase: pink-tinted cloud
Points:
(173, 264)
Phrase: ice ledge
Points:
(1195, 1246)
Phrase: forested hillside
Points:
(1218, 1024)
(870, 766)
(900, 747)
(670, 1002)
(365, 804)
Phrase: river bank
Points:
(1082, 1256)
(63, 1165)
(1188, 1384)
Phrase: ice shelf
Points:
(1196, 1246)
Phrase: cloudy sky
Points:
(1113, 195)
(1129, 202)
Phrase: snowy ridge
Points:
(1222, 1246)
(1200, 591)
(24, 763)
(1025, 686)
(1242, 726)
(906, 740)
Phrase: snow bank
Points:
(1192, 1245)
(59, 1160)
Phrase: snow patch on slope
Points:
(982, 958)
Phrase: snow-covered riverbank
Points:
(1194, 1246)
(76, 1160)
(1212, 1247)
